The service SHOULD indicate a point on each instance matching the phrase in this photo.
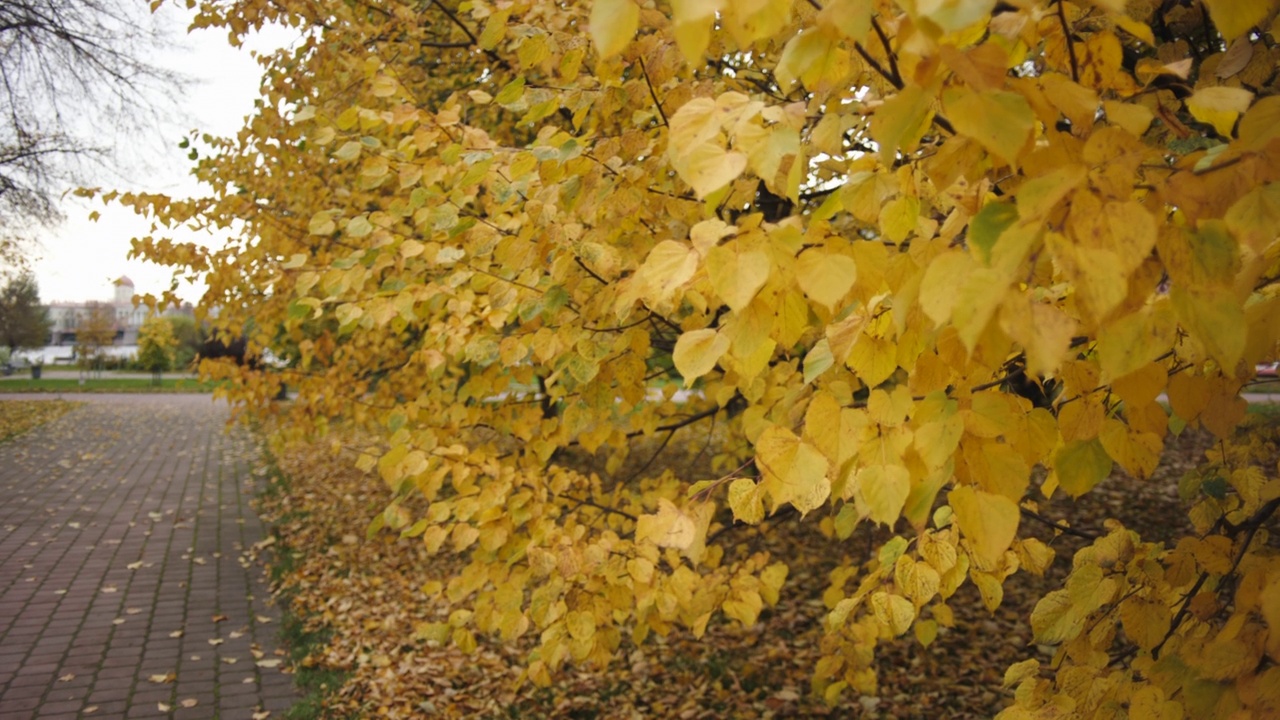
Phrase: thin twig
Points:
(1066, 529)
(605, 508)
(1071, 48)
(895, 74)
(471, 35)
(657, 103)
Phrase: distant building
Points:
(65, 317)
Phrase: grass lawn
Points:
(106, 385)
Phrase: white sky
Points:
(79, 259)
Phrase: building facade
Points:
(65, 318)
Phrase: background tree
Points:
(76, 83)
(95, 330)
(853, 231)
(188, 338)
(24, 322)
(156, 346)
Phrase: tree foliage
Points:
(916, 265)
(24, 322)
(157, 345)
(95, 329)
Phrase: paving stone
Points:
(121, 523)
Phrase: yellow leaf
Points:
(1141, 386)
(893, 612)
(1188, 395)
(926, 632)
(1020, 671)
(942, 282)
(1044, 331)
(693, 20)
(901, 121)
(952, 15)
(990, 589)
(708, 167)
(744, 500)
(882, 491)
(1253, 219)
(613, 23)
(1215, 318)
(669, 265)
(852, 18)
(795, 471)
(744, 607)
(350, 150)
(581, 625)
(697, 352)
(813, 57)
(1140, 30)
(1081, 465)
(669, 527)
(1131, 117)
(321, 224)
(1234, 18)
(1223, 412)
(898, 218)
(771, 581)
(1261, 124)
(1145, 621)
(1077, 103)
(999, 121)
(1056, 619)
(737, 276)
(1219, 105)
(1149, 703)
(988, 521)
(825, 277)
(1034, 555)
(1137, 452)
(1133, 341)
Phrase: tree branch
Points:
(1065, 529)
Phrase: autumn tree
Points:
(95, 329)
(923, 266)
(157, 346)
(24, 321)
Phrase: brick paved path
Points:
(121, 530)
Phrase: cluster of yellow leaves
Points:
(850, 230)
(1171, 632)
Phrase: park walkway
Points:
(124, 592)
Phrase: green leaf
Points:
(986, 226)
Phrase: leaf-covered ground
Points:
(19, 416)
(367, 595)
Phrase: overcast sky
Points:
(79, 259)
